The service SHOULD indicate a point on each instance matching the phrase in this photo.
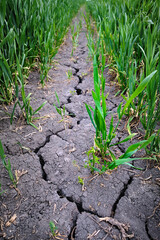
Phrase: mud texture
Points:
(122, 204)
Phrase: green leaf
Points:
(53, 228)
(119, 110)
(59, 111)
(132, 149)
(30, 111)
(149, 140)
(57, 98)
(126, 160)
(33, 126)
(6, 69)
(97, 102)
(111, 128)
(126, 139)
(2, 155)
(39, 108)
(112, 155)
(97, 91)
(95, 70)
(2, 11)
(139, 89)
(12, 115)
(104, 107)
(128, 126)
(19, 68)
(90, 115)
(137, 168)
(10, 37)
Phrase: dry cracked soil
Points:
(122, 204)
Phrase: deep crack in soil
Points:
(48, 140)
(147, 231)
(71, 235)
(41, 160)
(70, 199)
(122, 194)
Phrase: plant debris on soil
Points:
(122, 204)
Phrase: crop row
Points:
(130, 33)
(31, 32)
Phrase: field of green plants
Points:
(123, 39)
(30, 33)
(129, 37)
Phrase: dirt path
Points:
(51, 160)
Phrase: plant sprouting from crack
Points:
(69, 74)
(73, 92)
(60, 111)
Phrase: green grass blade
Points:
(2, 155)
(90, 115)
(140, 88)
(39, 108)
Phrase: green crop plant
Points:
(6, 85)
(53, 229)
(104, 139)
(34, 29)
(7, 165)
(123, 30)
(93, 160)
(25, 105)
(94, 45)
(60, 111)
(151, 114)
(130, 30)
(75, 30)
(137, 105)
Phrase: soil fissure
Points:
(71, 235)
(42, 162)
(122, 194)
(48, 140)
(147, 231)
(78, 204)
(71, 114)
